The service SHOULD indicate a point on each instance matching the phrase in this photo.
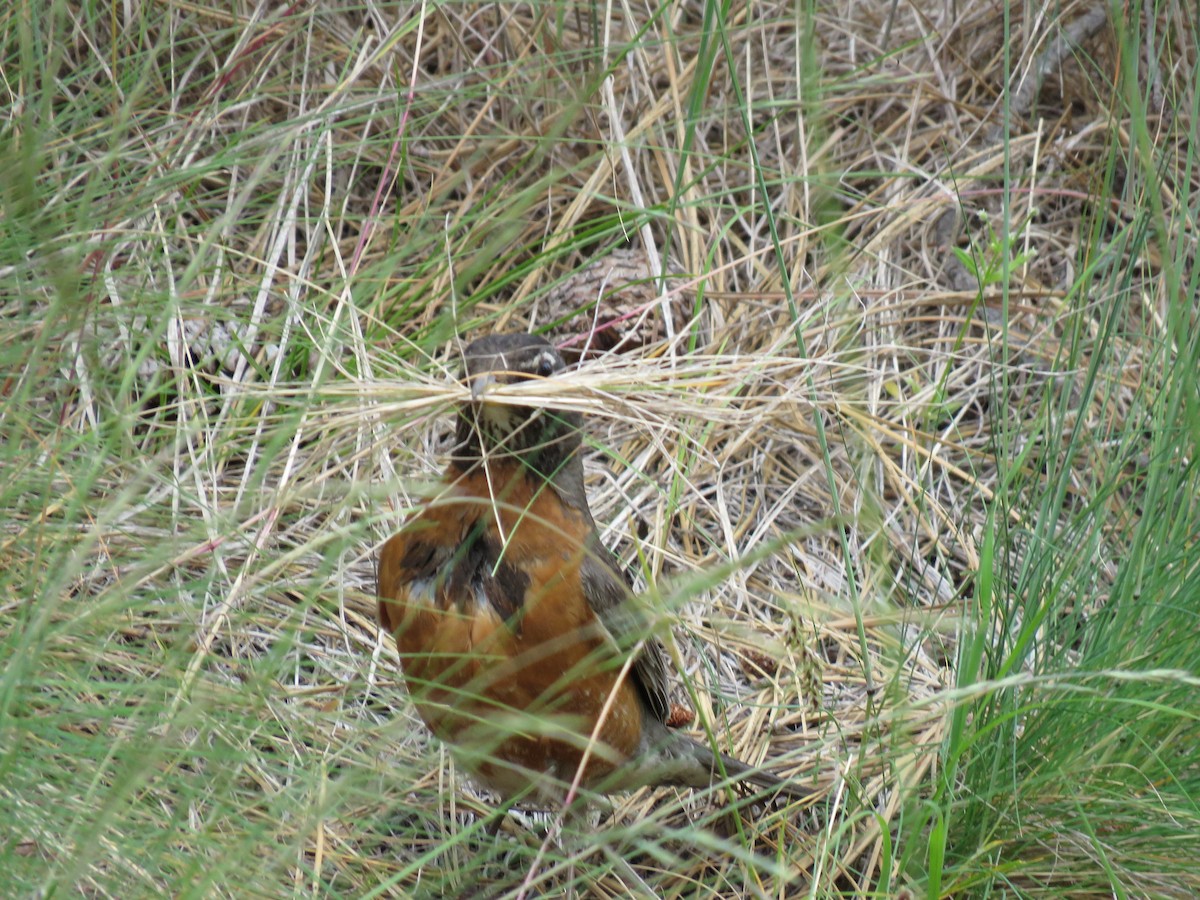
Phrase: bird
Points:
(520, 639)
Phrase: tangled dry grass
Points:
(872, 224)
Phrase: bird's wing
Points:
(614, 604)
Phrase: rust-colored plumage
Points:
(520, 643)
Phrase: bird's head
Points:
(542, 438)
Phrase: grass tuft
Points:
(901, 440)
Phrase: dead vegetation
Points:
(873, 224)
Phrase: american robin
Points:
(520, 640)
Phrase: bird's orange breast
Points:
(501, 650)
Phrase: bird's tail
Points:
(736, 770)
(681, 761)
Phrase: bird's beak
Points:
(480, 385)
